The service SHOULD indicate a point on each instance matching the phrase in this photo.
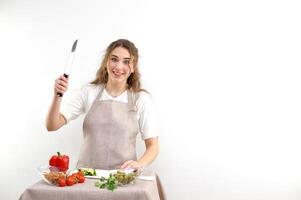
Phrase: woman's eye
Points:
(114, 59)
(126, 62)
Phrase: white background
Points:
(224, 76)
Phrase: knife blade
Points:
(69, 63)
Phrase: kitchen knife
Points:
(69, 63)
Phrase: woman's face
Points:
(120, 65)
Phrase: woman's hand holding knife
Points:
(61, 85)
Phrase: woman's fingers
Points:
(64, 78)
(61, 85)
(63, 81)
(126, 164)
(130, 164)
(133, 165)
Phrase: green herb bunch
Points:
(109, 183)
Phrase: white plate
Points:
(103, 173)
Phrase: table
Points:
(141, 190)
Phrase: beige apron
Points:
(110, 129)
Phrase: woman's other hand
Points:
(131, 164)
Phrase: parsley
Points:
(109, 183)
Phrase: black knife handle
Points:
(60, 94)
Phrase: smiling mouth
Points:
(117, 74)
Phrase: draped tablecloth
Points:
(140, 190)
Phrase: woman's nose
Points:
(119, 65)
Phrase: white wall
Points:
(224, 75)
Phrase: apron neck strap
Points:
(102, 87)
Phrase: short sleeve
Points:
(147, 118)
(75, 106)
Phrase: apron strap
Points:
(132, 100)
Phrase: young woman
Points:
(116, 109)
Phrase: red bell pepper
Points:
(60, 161)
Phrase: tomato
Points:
(62, 182)
(70, 180)
(80, 178)
(75, 178)
(81, 172)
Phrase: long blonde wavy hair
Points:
(133, 81)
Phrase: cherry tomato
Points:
(62, 182)
(70, 180)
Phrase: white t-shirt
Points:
(81, 104)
